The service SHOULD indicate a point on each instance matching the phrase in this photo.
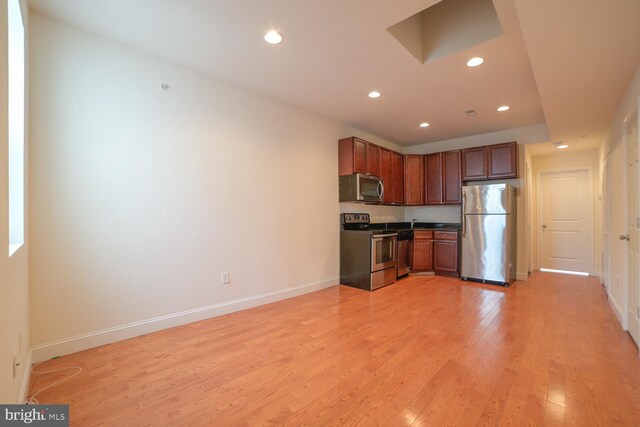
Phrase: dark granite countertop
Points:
(417, 226)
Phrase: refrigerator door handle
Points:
(464, 226)
(464, 215)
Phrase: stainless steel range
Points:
(368, 258)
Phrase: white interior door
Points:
(633, 221)
(565, 220)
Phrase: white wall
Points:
(142, 197)
(613, 152)
(14, 287)
(447, 214)
(567, 161)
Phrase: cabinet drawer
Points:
(422, 234)
(445, 235)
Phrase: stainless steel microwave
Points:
(361, 188)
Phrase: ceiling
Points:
(566, 63)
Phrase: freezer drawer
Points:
(487, 252)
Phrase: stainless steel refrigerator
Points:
(489, 233)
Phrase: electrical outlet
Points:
(226, 278)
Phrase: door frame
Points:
(628, 303)
(528, 178)
(540, 173)
(607, 212)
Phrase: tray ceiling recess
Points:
(447, 27)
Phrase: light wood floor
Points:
(427, 351)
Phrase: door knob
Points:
(624, 237)
(544, 226)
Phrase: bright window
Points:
(16, 126)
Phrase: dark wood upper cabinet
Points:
(474, 163)
(503, 160)
(385, 174)
(491, 162)
(373, 159)
(433, 179)
(352, 156)
(413, 179)
(451, 178)
(397, 178)
(356, 155)
(442, 178)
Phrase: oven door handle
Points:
(382, 236)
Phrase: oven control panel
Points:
(355, 218)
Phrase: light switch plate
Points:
(226, 278)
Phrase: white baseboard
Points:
(26, 378)
(617, 311)
(105, 336)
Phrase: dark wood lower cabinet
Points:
(445, 253)
(435, 251)
(422, 259)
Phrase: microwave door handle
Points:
(380, 189)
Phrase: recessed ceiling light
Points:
(374, 94)
(273, 37)
(503, 108)
(424, 125)
(475, 61)
(561, 145)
